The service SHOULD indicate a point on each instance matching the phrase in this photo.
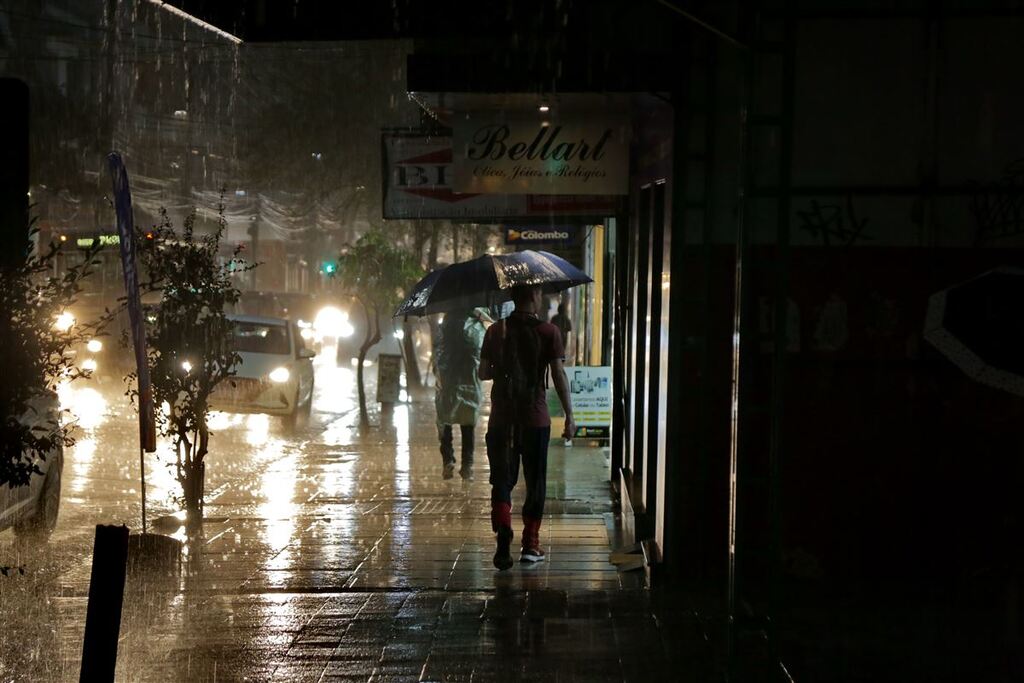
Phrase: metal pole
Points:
(749, 23)
(776, 449)
(106, 596)
(142, 477)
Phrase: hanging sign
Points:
(531, 155)
(418, 183)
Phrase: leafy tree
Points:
(39, 337)
(190, 340)
(376, 273)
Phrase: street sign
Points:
(389, 371)
(126, 241)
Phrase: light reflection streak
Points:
(335, 397)
(338, 478)
(218, 420)
(161, 484)
(401, 531)
(257, 429)
(343, 520)
(400, 420)
(81, 463)
(279, 508)
(339, 432)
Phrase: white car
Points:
(276, 373)
(32, 509)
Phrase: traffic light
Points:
(328, 267)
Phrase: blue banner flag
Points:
(126, 232)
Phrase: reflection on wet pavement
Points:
(330, 554)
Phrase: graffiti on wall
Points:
(833, 224)
(998, 207)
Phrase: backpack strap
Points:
(534, 324)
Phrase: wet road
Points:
(329, 553)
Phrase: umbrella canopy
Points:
(488, 281)
(979, 325)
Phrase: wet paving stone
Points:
(341, 555)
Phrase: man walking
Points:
(564, 325)
(518, 353)
(458, 395)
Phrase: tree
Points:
(38, 336)
(376, 273)
(191, 341)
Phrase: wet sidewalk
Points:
(344, 555)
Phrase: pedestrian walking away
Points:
(458, 390)
(519, 354)
(564, 325)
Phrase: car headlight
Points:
(307, 333)
(330, 321)
(64, 322)
(94, 346)
(280, 375)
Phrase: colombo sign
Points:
(548, 234)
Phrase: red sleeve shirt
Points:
(551, 348)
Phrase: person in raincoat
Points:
(458, 390)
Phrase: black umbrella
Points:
(979, 325)
(488, 280)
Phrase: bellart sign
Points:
(531, 156)
(418, 171)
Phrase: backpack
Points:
(520, 369)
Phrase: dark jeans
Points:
(506, 446)
(448, 450)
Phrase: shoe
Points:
(531, 541)
(532, 554)
(466, 473)
(503, 554)
(449, 471)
